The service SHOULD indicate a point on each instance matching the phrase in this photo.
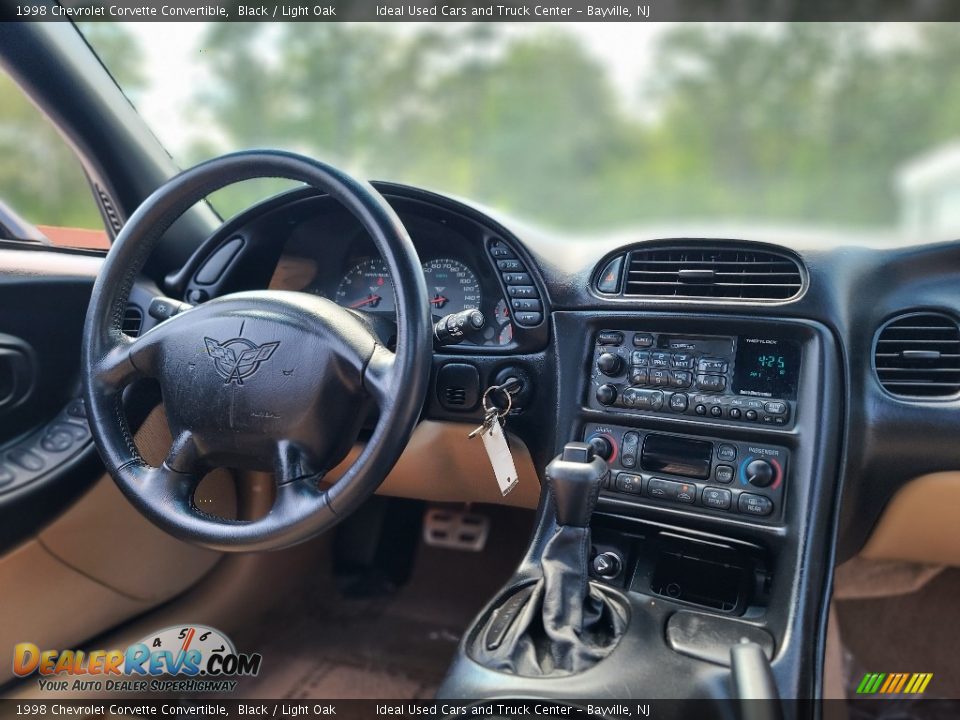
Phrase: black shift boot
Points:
(565, 625)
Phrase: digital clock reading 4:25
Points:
(772, 362)
(766, 367)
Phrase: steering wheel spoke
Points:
(127, 361)
(162, 486)
(380, 376)
(292, 464)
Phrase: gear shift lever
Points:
(562, 624)
(575, 478)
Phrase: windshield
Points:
(583, 127)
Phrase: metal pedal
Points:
(455, 529)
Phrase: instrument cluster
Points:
(352, 274)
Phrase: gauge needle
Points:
(366, 301)
(439, 300)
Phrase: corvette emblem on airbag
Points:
(238, 358)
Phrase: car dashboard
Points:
(760, 399)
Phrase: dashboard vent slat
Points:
(715, 271)
(132, 321)
(918, 355)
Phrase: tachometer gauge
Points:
(451, 287)
(367, 286)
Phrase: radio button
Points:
(716, 411)
(726, 452)
(642, 340)
(681, 379)
(660, 377)
(638, 376)
(776, 408)
(609, 363)
(610, 337)
(606, 394)
(629, 483)
(712, 365)
(682, 360)
(716, 498)
(678, 402)
(723, 474)
(643, 399)
(754, 504)
(701, 409)
(750, 415)
(735, 413)
(711, 383)
(639, 357)
(659, 359)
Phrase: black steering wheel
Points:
(262, 380)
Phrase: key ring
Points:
(489, 408)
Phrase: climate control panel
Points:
(743, 379)
(724, 477)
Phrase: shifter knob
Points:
(575, 478)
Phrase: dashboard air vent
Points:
(132, 320)
(729, 273)
(456, 396)
(918, 355)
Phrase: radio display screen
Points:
(765, 367)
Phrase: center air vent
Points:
(918, 355)
(722, 272)
(132, 320)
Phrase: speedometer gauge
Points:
(451, 287)
(367, 286)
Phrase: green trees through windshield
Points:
(789, 124)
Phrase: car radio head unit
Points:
(743, 378)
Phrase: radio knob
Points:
(760, 473)
(609, 363)
(607, 394)
(601, 446)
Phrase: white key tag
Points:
(495, 442)
(500, 456)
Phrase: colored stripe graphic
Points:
(894, 683)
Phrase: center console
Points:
(721, 436)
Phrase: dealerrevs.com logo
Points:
(183, 658)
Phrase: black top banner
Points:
(481, 11)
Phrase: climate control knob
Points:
(760, 473)
(601, 446)
(607, 394)
(609, 363)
